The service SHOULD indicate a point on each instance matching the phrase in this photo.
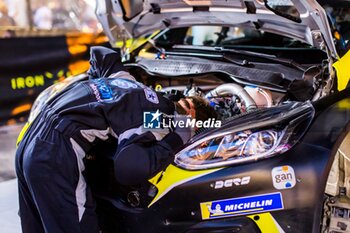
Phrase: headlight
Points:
(257, 135)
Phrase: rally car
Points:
(271, 70)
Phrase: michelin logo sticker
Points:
(241, 205)
(283, 177)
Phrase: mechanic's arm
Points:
(135, 163)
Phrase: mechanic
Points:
(53, 194)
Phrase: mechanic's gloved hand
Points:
(186, 132)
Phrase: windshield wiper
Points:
(269, 57)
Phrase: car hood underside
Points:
(131, 18)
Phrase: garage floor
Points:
(9, 220)
(8, 137)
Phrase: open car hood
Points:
(123, 19)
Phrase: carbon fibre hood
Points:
(123, 19)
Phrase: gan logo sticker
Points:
(125, 84)
(151, 96)
(241, 205)
(283, 177)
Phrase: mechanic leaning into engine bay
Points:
(53, 194)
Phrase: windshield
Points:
(228, 37)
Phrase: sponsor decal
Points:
(283, 177)
(231, 182)
(241, 205)
(101, 90)
(124, 84)
(151, 96)
(38, 80)
(157, 120)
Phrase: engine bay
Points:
(229, 94)
(229, 99)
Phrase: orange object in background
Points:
(29, 65)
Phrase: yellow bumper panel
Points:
(342, 66)
(174, 176)
(266, 223)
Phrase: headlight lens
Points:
(261, 135)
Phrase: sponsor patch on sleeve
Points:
(241, 205)
(124, 84)
(101, 91)
(151, 96)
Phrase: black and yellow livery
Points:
(175, 199)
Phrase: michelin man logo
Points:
(217, 209)
(151, 120)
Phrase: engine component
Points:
(226, 107)
(228, 100)
(262, 97)
(193, 91)
(235, 90)
(173, 95)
